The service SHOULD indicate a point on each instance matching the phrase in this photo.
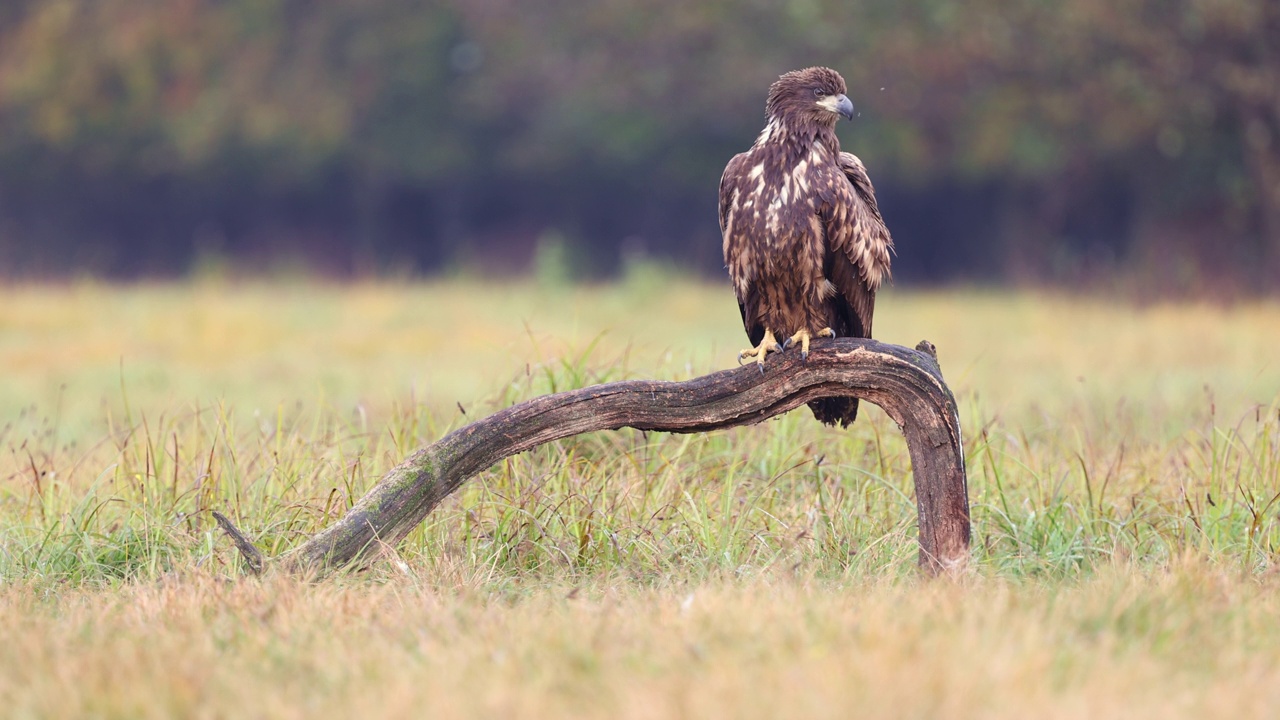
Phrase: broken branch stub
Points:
(906, 383)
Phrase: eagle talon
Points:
(767, 345)
(802, 338)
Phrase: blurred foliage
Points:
(1007, 137)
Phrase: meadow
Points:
(1124, 476)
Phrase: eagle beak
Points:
(844, 107)
(838, 104)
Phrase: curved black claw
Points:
(804, 355)
(789, 342)
(761, 366)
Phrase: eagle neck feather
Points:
(797, 141)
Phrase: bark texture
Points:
(906, 383)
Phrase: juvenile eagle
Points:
(804, 242)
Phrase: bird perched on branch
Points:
(804, 242)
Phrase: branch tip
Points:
(250, 553)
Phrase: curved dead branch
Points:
(906, 383)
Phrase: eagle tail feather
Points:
(829, 411)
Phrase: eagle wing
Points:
(737, 247)
(858, 250)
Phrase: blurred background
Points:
(1011, 141)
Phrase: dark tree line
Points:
(1008, 139)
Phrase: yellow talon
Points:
(767, 345)
(803, 337)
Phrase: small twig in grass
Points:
(251, 554)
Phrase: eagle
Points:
(804, 242)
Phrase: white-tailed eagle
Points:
(804, 242)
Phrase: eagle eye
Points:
(818, 92)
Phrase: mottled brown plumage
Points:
(804, 242)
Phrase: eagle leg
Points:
(803, 337)
(768, 344)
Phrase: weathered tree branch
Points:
(906, 383)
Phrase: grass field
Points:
(1124, 470)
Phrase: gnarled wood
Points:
(906, 383)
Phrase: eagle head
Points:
(813, 95)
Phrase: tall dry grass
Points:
(1092, 430)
